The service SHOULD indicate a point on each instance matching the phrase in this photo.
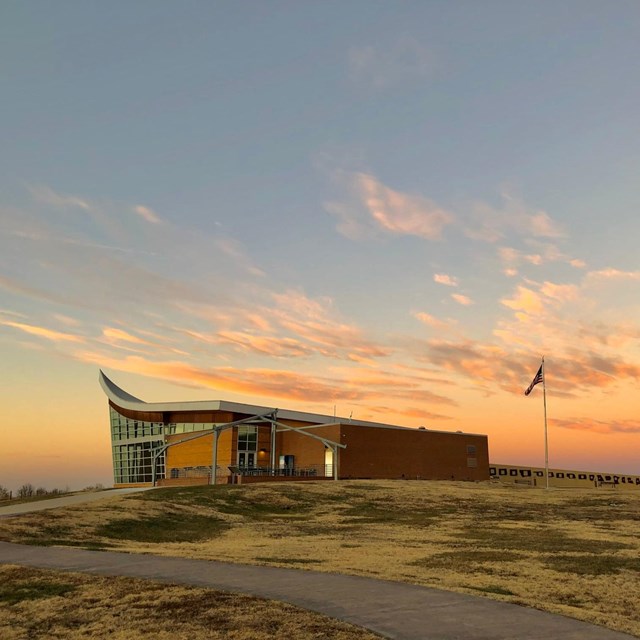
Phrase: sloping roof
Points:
(125, 400)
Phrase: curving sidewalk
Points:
(65, 501)
(392, 609)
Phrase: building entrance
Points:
(246, 459)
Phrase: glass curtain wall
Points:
(135, 445)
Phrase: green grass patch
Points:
(381, 512)
(541, 539)
(592, 565)
(32, 590)
(251, 503)
(171, 527)
(465, 560)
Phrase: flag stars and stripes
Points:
(539, 377)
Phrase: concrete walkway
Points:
(392, 609)
(64, 501)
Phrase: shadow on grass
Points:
(592, 565)
(170, 527)
(32, 590)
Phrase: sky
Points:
(387, 210)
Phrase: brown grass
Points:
(574, 552)
(37, 604)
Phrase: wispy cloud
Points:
(272, 346)
(114, 335)
(544, 252)
(376, 208)
(524, 299)
(43, 332)
(611, 274)
(383, 67)
(598, 426)
(465, 301)
(431, 321)
(147, 214)
(316, 322)
(46, 195)
(410, 412)
(443, 278)
(490, 224)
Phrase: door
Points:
(328, 462)
(246, 459)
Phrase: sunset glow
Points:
(390, 212)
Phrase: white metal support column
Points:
(335, 449)
(273, 461)
(214, 457)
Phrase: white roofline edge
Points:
(125, 400)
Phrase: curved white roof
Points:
(125, 400)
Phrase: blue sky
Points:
(394, 208)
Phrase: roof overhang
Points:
(124, 400)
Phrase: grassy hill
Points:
(574, 552)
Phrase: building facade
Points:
(179, 443)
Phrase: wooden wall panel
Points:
(307, 451)
(144, 416)
(198, 452)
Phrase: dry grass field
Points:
(574, 552)
(42, 605)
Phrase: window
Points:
(247, 438)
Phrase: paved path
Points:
(392, 609)
(64, 501)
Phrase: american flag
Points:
(539, 377)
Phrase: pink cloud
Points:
(376, 208)
(598, 426)
(613, 274)
(147, 214)
(401, 213)
(430, 320)
(463, 300)
(443, 278)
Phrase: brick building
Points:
(178, 443)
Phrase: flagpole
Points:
(546, 439)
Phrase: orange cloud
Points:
(443, 278)
(43, 332)
(265, 382)
(430, 320)
(409, 412)
(613, 274)
(266, 345)
(463, 300)
(118, 335)
(316, 322)
(373, 207)
(559, 292)
(598, 426)
(524, 300)
(401, 213)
